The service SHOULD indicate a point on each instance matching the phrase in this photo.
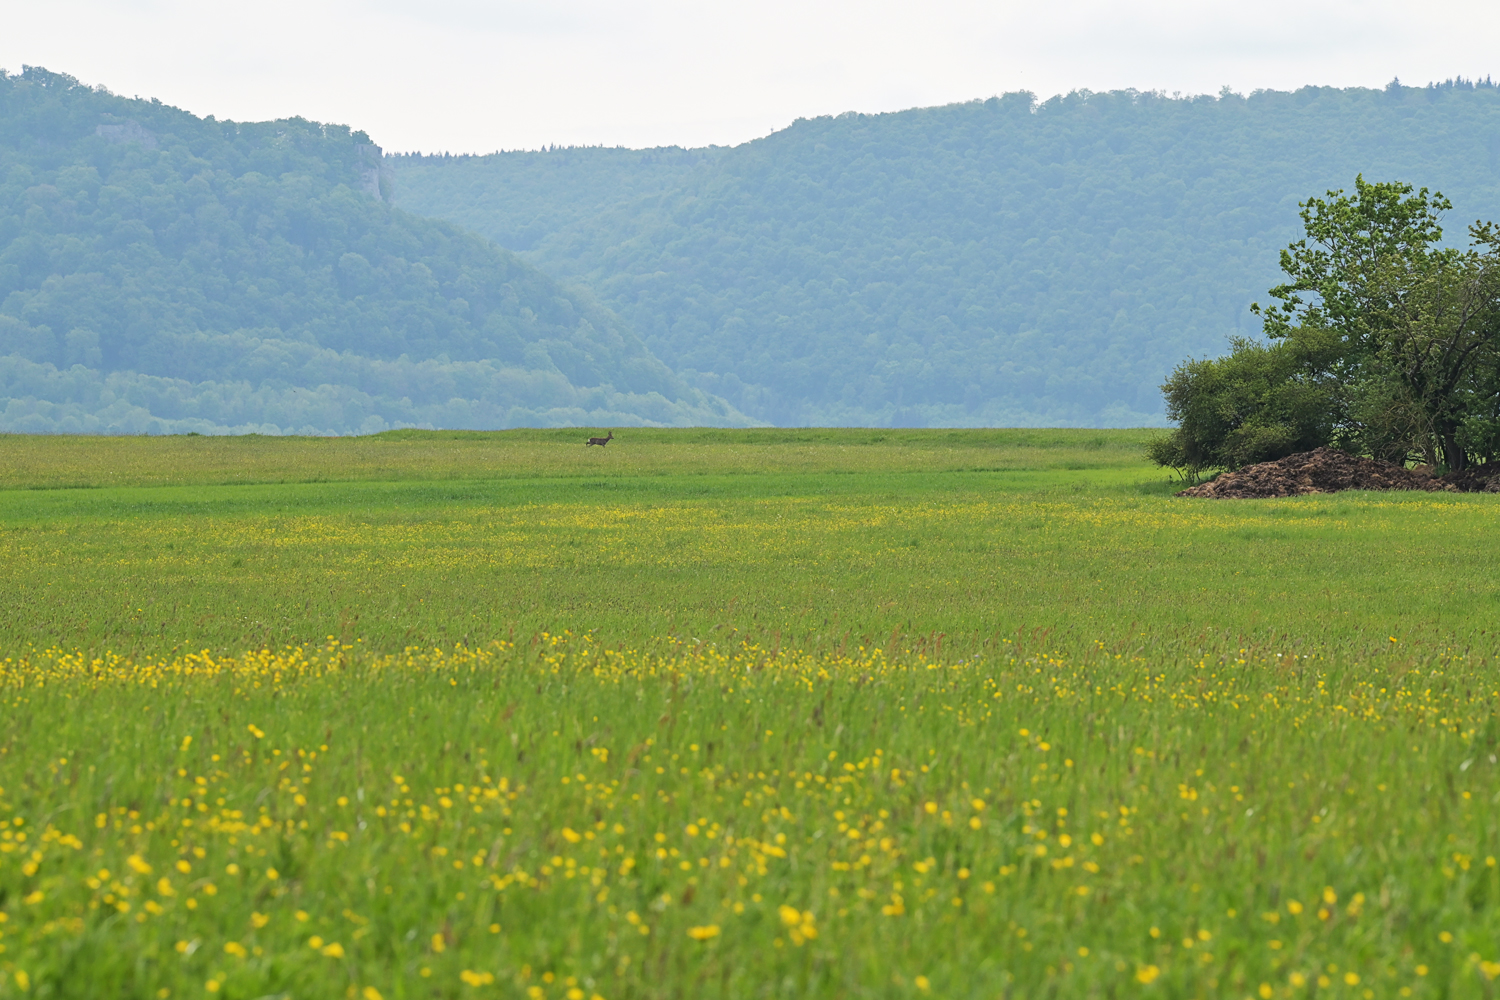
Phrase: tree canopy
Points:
(161, 271)
(1384, 340)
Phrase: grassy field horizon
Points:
(809, 539)
(80, 461)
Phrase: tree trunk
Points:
(1453, 455)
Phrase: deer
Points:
(601, 442)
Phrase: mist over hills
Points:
(160, 272)
(997, 262)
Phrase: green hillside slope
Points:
(520, 199)
(164, 272)
(996, 262)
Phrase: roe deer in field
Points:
(601, 442)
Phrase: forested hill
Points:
(162, 272)
(997, 262)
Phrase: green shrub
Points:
(1257, 404)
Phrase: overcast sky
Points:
(479, 75)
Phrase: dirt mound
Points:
(1324, 470)
(1475, 479)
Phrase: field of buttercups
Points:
(563, 819)
(743, 714)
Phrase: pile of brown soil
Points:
(1475, 479)
(1326, 470)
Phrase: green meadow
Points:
(760, 713)
(818, 537)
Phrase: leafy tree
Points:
(1437, 339)
(1350, 241)
(1259, 403)
(1383, 340)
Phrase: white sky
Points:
(479, 75)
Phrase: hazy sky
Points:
(477, 75)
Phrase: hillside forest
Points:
(161, 272)
(999, 262)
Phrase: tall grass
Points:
(562, 816)
(849, 728)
